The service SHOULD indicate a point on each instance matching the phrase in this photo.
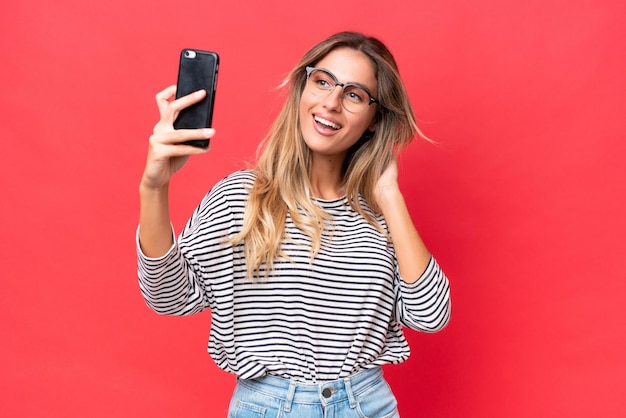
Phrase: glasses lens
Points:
(354, 98)
(321, 83)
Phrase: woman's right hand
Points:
(166, 154)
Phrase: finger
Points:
(175, 137)
(164, 97)
(160, 151)
(183, 102)
(171, 109)
(177, 150)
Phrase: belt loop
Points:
(290, 395)
(348, 385)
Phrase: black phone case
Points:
(197, 70)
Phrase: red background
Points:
(522, 200)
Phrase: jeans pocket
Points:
(377, 402)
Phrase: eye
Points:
(322, 80)
(356, 94)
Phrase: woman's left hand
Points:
(386, 188)
(411, 253)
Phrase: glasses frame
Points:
(343, 86)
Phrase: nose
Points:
(333, 100)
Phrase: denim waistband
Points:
(324, 392)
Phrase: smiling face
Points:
(328, 129)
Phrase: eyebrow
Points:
(352, 83)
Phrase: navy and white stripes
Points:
(311, 320)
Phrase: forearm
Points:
(411, 252)
(167, 281)
(155, 231)
(168, 285)
(425, 305)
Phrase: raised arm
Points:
(423, 294)
(166, 155)
(411, 252)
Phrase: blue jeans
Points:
(365, 394)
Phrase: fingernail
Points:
(199, 93)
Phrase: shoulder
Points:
(234, 184)
(228, 195)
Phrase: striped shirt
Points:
(311, 320)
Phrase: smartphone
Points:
(197, 70)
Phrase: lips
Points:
(326, 123)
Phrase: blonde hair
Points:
(282, 183)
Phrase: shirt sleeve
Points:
(425, 304)
(169, 284)
(182, 281)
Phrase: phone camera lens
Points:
(190, 54)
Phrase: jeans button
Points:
(326, 393)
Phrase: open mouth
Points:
(326, 123)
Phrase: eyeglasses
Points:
(354, 98)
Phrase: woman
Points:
(309, 262)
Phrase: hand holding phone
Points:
(197, 70)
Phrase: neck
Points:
(326, 178)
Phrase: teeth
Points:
(326, 123)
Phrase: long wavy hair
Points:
(282, 184)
